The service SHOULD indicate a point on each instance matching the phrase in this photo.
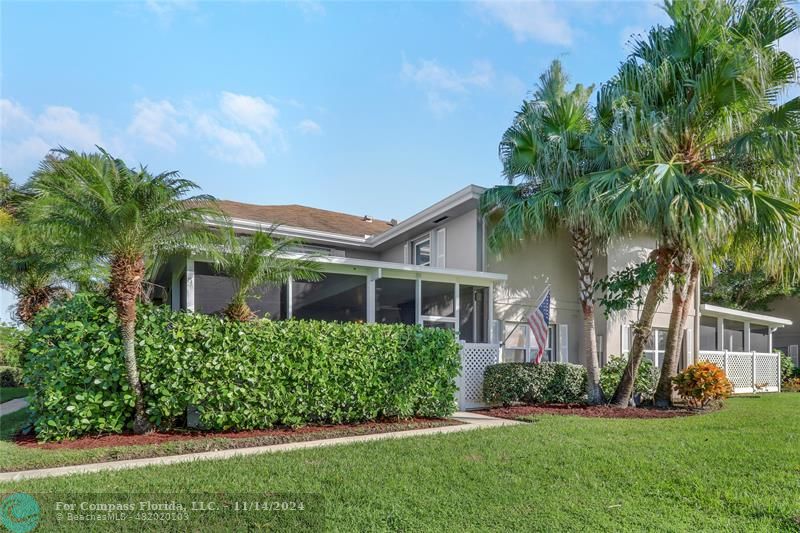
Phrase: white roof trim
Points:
(470, 192)
(744, 316)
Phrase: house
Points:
(434, 269)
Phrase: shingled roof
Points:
(300, 216)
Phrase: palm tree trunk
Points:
(681, 300)
(582, 246)
(126, 284)
(31, 301)
(643, 327)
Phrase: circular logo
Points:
(19, 512)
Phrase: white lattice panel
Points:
(748, 371)
(474, 360)
(767, 367)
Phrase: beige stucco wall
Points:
(550, 261)
(788, 335)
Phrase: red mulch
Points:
(592, 411)
(282, 434)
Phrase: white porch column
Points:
(418, 301)
(490, 331)
(747, 336)
(190, 285)
(175, 288)
(721, 333)
(456, 306)
(289, 298)
(371, 296)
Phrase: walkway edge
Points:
(470, 421)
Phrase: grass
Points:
(737, 469)
(10, 393)
(14, 457)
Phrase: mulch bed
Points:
(591, 411)
(235, 439)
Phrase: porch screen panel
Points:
(734, 336)
(395, 301)
(213, 292)
(438, 299)
(472, 313)
(339, 297)
(759, 338)
(708, 333)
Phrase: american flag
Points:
(539, 321)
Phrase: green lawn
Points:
(9, 393)
(736, 469)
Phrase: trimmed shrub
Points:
(702, 383)
(237, 375)
(11, 345)
(788, 370)
(507, 383)
(646, 377)
(10, 376)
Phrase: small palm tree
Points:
(104, 210)
(544, 150)
(256, 260)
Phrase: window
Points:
(708, 333)
(438, 299)
(336, 297)
(734, 336)
(395, 301)
(421, 251)
(656, 345)
(472, 313)
(519, 344)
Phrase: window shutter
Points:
(441, 247)
(601, 349)
(563, 343)
(406, 253)
(793, 353)
(625, 333)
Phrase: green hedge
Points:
(238, 375)
(646, 378)
(508, 383)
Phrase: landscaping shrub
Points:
(788, 370)
(10, 376)
(702, 383)
(508, 383)
(237, 375)
(11, 343)
(646, 377)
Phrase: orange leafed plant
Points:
(701, 383)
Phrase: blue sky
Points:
(367, 108)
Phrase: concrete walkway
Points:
(470, 421)
(13, 405)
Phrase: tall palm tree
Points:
(109, 212)
(543, 157)
(703, 150)
(257, 260)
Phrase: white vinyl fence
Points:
(474, 360)
(748, 371)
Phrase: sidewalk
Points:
(12, 406)
(470, 421)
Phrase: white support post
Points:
(725, 362)
(456, 307)
(289, 298)
(190, 285)
(371, 296)
(780, 374)
(418, 301)
(490, 333)
(747, 347)
(753, 370)
(721, 333)
(175, 288)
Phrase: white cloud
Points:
(442, 84)
(157, 123)
(230, 145)
(542, 21)
(308, 126)
(252, 112)
(27, 137)
(165, 10)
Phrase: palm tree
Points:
(256, 260)
(544, 151)
(704, 153)
(109, 212)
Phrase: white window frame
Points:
(551, 350)
(412, 245)
(421, 319)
